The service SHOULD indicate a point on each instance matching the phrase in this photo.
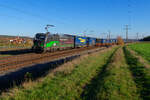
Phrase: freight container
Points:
(91, 41)
(80, 41)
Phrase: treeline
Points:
(146, 38)
(9, 36)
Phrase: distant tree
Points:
(146, 38)
(120, 41)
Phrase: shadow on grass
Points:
(17, 77)
(92, 89)
(33, 72)
(16, 52)
(141, 78)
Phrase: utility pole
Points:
(103, 35)
(127, 31)
(137, 36)
(109, 35)
(109, 32)
(143, 36)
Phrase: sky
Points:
(92, 17)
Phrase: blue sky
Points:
(27, 17)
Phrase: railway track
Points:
(20, 61)
(28, 51)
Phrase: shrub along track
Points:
(19, 61)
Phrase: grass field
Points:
(5, 45)
(140, 73)
(142, 48)
(112, 74)
(68, 82)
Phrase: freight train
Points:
(53, 42)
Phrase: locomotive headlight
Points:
(54, 44)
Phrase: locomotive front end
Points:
(39, 41)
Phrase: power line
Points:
(20, 11)
(10, 16)
(127, 31)
(109, 32)
(29, 13)
(137, 36)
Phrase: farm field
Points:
(112, 74)
(5, 44)
(8, 49)
(142, 49)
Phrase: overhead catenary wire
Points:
(31, 14)
(20, 11)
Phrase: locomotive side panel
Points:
(51, 42)
(66, 41)
(60, 42)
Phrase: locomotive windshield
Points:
(40, 36)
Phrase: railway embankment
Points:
(116, 73)
(11, 76)
(65, 82)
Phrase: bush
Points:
(120, 41)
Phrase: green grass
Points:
(63, 85)
(114, 82)
(140, 73)
(109, 75)
(142, 48)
